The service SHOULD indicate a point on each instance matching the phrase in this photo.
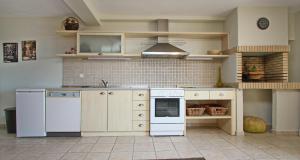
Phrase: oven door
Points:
(167, 110)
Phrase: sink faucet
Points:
(105, 83)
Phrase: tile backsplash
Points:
(140, 72)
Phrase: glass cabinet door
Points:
(99, 43)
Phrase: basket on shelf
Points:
(216, 110)
(195, 110)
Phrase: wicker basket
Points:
(195, 111)
(216, 111)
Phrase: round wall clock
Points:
(263, 23)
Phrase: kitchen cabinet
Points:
(100, 43)
(119, 110)
(115, 112)
(94, 110)
(140, 110)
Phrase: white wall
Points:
(294, 56)
(250, 34)
(46, 71)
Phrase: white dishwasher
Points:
(63, 113)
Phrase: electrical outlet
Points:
(81, 75)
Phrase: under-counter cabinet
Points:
(225, 97)
(119, 110)
(94, 111)
(115, 113)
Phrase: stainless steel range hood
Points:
(163, 49)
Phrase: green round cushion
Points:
(254, 124)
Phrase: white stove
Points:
(167, 111)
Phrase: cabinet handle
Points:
(102, 93)
(141, 94)
(110, 93)
(196, 94)
(140, 125)
(140, 115)
(140, 105)
(221, 94)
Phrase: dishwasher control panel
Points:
(63, 94)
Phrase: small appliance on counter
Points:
(167, 111)
(30, 112)
(63, 113)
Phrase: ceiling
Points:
(219, 8)
(33, 8)
(137, 8)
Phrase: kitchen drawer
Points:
(140, 115)
(141, 95)
(221, 95)
(196, 95)
(140, 105)
(140, 125)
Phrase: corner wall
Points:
(46, 71)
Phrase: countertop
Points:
(78, 88)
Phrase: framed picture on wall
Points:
(10, 52)
(28, 50)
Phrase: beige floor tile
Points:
(166, 155)
(7, 156)
(27, 156)
(103, 147)
(143, 139)
(213, 154)
(144, 147)
(235, 154)
(121, 156)
(59, 148)
(107, 140)
(179, 139)
(184, 146)
(189, 154)
(203, 145)
(162, 140)
(164, 147)
(97, 156)
(212, 143)
(87, 147)
(125, 140)
(123, 147)
(144, 155)
(51, 156)
(74, 156)
(84, 140)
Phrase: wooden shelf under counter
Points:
(208, 117)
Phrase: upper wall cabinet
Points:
(100, 43)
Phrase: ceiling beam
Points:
(85, 11)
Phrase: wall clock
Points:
(263, 23)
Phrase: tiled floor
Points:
(213, 144)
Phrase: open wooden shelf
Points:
(67, 33)
(191, 57)
(205, 116)
(205, 35)
(208, 35)
(98, 56)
